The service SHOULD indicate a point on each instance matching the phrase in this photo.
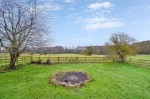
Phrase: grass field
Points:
(143, 57)
(140, 60)
(109, 80)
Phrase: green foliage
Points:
(109, 80)
(120, 47)
(144, 47)
(87, 51)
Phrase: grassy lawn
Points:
(109, 80)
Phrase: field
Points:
(109, 80)
(143, 57)
(140, 60)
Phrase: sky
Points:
(91, 22)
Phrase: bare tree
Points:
(21, 26)
(120, 46)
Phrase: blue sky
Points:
(91, 22)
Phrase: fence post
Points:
(103, 59)
(58, 59)
(5, 59)
(22, 60)
(25, 59)
(31, 59)
(77, 60)
(66, 60)
(94, 59)
(17, 61)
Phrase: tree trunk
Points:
(122, 58)
(12, 64)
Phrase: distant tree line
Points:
(54, 50)
(60, 50)
(143, 48)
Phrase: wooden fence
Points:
(20, 60)
(28, 59)
(139, 62)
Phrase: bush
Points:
(48, 62)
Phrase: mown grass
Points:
(109, 80)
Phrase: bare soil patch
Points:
(70, 79)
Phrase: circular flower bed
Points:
(70, 79)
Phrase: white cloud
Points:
(92, 19)
(69, 1)
(101, 22)
(98, 5)
(49, 7)
(138, 9)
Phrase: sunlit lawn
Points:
(109, 80)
